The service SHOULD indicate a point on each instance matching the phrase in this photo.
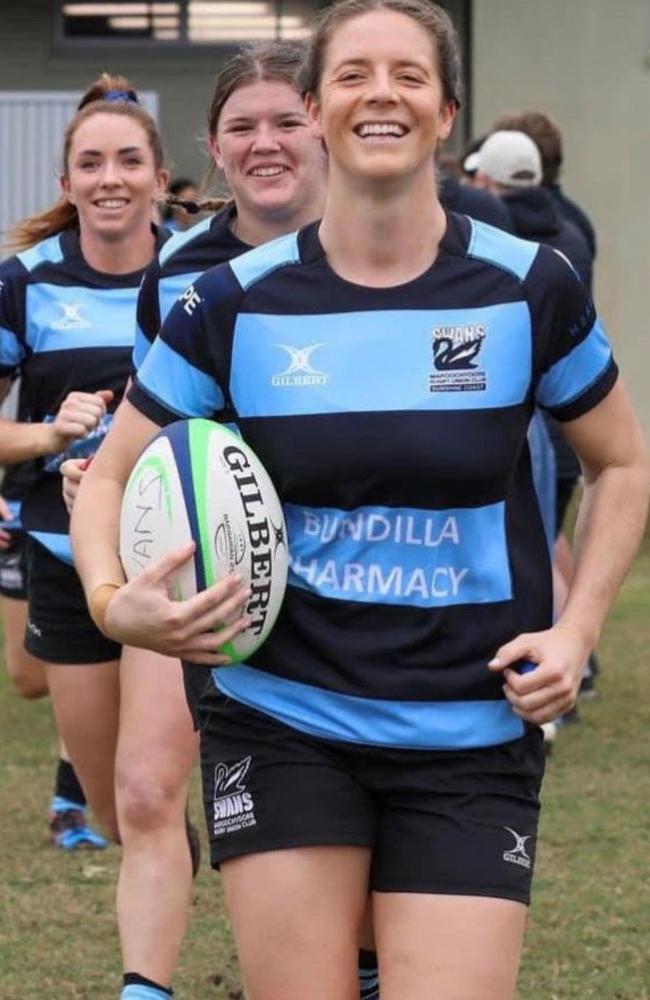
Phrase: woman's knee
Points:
(147, 801)
(26, 674)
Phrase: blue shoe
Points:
(69, 831)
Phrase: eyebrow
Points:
(245, 119)
(99, 152)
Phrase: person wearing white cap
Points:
(509, 164)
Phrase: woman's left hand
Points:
(558, 657)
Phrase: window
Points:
(166, 23)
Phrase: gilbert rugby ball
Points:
(198, 480)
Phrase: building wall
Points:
(585, 63)
(30, 60)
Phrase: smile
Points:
(274, 171)
(111, 203)
(393, 130)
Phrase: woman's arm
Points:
(79, 414)
(140, 613)
(611, 521)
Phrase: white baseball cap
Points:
(511, 159)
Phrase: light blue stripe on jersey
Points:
(177, 384)
(434, 725)
(136, 991)
(48, 251)
(502, 249)
(256, 264)
(11, 350)
(577, 371)
(141, 345)
(286, 365)
(178, 240)
(62, 318)
(58, 545)
(399, 555)
(169, 290)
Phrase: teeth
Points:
(111, 202)
(267, 171)
(381, 128)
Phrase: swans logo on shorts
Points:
(454, 351)
(518, 854)
(232, 805)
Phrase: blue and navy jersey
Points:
(180, 262)
(63, 327)
(393, 423)
(18, 479)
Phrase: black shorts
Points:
(13, 570)
(453, 822)
(59, 628)
(564, 489)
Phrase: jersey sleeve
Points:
(13, 348)
(147, 314)
(575, 365)
(182, 374)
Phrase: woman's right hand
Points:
(5, 515)
(72, 471)
(79, 414)
(142, 614)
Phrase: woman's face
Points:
(380, 105)
(112, 178)
(268, 150)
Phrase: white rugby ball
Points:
(198, 480)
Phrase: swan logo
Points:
(455, 352)
(233, 807)
(517, 855)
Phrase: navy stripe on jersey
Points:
(393, 423)
(63, 327)
(180, 262)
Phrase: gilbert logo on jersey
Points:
(71, 318)
(455, 349)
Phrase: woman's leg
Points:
(85, 698)
(26, 673)
(297, 916)
(157, 748)
(447, 947)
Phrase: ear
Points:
(162, 183)
(313, 109)
(215, 151)
(64, 183)
(446, 120)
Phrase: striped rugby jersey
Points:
(393, 423)
(63, 327)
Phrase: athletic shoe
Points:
(194, 844)
(69, 831)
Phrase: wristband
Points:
(98, 603)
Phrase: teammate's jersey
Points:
(181, 261)
(18, 479)
(64, 327)
(393, 423)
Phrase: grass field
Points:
(589, 924)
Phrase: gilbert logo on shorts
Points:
(518, 854)
(233, 805)
(71, 318)
(455, 348)
(300, 370)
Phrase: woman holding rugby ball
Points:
(384, 734)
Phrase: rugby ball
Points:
(197, 480)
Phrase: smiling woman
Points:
(382, 738)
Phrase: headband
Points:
(120, 95)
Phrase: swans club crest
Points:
(456, 361)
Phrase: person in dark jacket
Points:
(478, 204)
(509, 164)
(547, 137)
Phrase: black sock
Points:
(368, 975)
(66, 784)
(135, 979)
